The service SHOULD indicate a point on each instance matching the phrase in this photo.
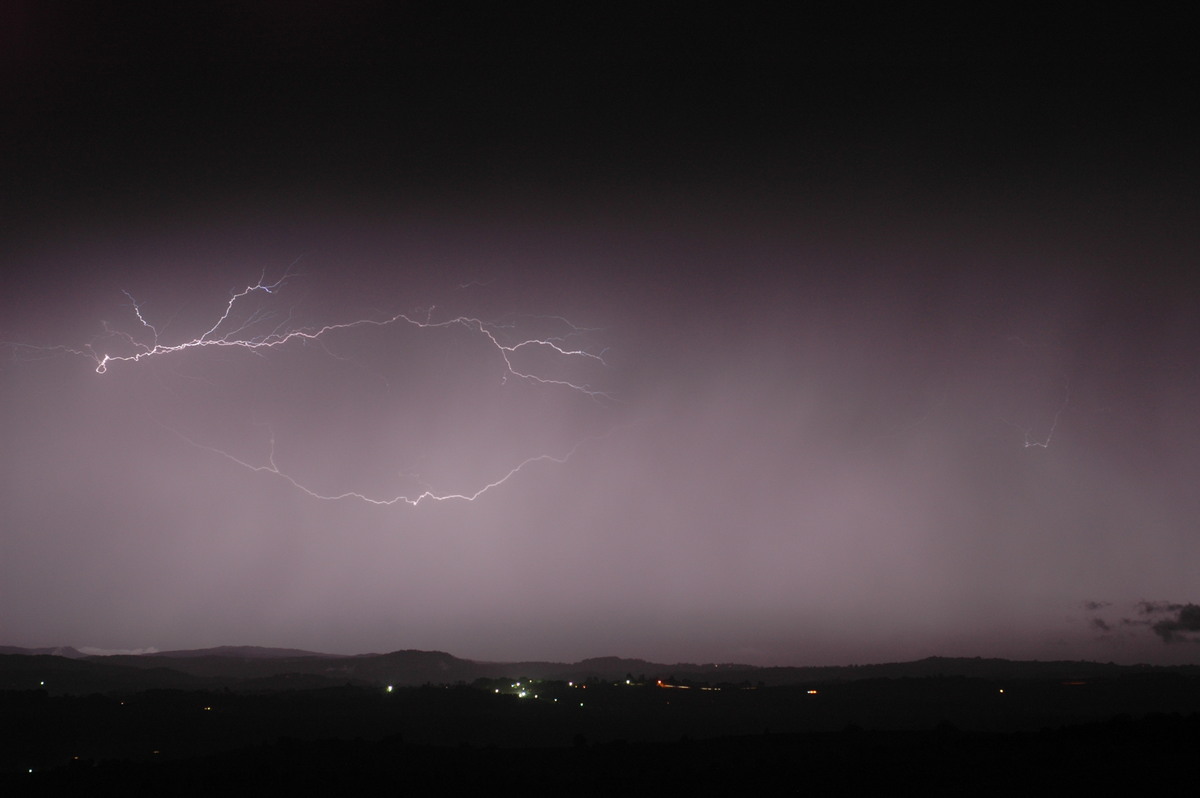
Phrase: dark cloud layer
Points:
(1178, 625)
(1182, 620)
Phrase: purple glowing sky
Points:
(897, 362)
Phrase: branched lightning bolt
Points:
(236, 329)
(281, 335)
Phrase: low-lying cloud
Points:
(1181, 626)
(1172, 622)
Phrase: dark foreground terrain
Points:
(1036, 732)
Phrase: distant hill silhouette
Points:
(62, 675)
(245, 652)
(57, 651)
(256, 668)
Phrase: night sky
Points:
(847, 340)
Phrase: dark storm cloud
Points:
(1101, 625)
(1096, 605)
(1181, 626)
(1155, 607)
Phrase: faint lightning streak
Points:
(412, 501)
(1045, 443)
(137, 309)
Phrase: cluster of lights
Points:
(523, 691)
(526, 689)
